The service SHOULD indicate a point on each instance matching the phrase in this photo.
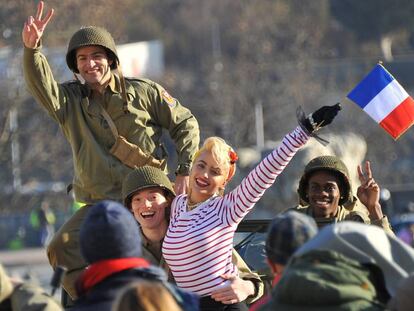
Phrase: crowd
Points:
(141, 242)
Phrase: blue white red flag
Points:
(385, 100)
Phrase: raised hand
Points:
(33, 28)
(321, 117)
(369, 192)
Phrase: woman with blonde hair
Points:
(198, 243)
(146, 296)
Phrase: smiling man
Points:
(325, 193)
(113, 124)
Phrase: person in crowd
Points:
(406, 234)
(112, 124)
(199, 240)
(346, 266)
(47, 221)
(145, 296)
(16, 295)
(286, 233)
(110, 242)
(147, 193)
(325, 193)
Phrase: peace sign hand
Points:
(33, 28)
(369, 192)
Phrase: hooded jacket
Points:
(102, 296)
(326, 281)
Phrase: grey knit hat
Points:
(91, 35)
(327, 163)
(286, 233)
(142, 178)
(109, 231)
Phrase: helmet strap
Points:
(123, 89)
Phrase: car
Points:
(249, 242)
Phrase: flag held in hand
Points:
(385, 100)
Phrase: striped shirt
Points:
(198, 243)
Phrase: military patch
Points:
(168, 98)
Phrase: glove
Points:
(321, 117)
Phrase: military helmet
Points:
(91, 35)
(326, 163)
(142, 178)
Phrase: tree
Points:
(381, 21)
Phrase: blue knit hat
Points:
(109, 231)
(286, 233)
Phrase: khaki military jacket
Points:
(98, 174)
(153, 254)
(353, 212)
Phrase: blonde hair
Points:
(145, 296)
(223, 153)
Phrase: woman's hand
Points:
(321, 117)
(34, 27)
(237, 291)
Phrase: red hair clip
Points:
(233, 156)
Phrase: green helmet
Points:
(326, 163)
(91, 35)
(142, 178)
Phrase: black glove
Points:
(321, 117)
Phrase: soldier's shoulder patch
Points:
(168, 98)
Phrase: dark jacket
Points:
(102, 295)
(328, 281)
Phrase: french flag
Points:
(385, 100)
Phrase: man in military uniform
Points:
(325, 194)
(112, 124)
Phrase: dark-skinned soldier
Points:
(325, 193)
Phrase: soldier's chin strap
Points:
(123, 89)
(301, 117)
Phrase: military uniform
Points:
(343, 214)
(140, 109)
(349, 207)
(98, 174)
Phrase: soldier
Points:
(112, 124)
(325, 194)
